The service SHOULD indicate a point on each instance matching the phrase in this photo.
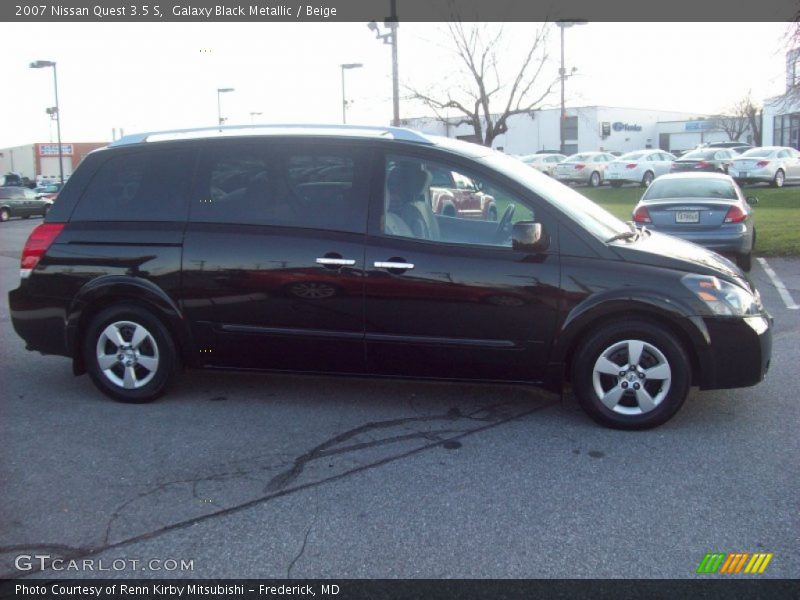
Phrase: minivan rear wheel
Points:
(631, 375)
(129, 354)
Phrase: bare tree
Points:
(743, 116)
(734, 126)
(483, 98)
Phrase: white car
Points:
(585, 167)
(641, 166)
(545, 163)
(771, 164)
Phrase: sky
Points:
(155, 76)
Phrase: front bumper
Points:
(738, 353)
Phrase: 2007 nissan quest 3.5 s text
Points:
(316, 249)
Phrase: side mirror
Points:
(752, 200)
(528, 236)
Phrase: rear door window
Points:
(292, 185)
(143, 186)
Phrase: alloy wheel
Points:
(127, 354)
(631, 377)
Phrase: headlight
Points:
(721, 297)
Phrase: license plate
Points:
(612, 175)
(742, 173)
(687, 216)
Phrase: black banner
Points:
(617, 589)
(407, 10)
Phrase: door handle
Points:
(338, 262)
(393, 265)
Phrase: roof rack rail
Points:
(395, 133)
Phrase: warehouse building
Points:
(588, 128)
(40, 161)
(782, 113)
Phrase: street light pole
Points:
(344, 67)
(40, 64)
(391, 23)
(219, 104)
(562, 72)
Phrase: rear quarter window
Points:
(143, 186)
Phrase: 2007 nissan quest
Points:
(317, 249)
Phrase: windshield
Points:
(700, 154)
(532, 158)
(758, 153)
(580, 158)
(690, 188)
(595, 219)
(632, 156)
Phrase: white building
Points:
(781, 116)
(586, 128)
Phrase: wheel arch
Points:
(103, 292)
(582, 322)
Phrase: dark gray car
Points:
(705, 208)
(21, 202)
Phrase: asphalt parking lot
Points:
(251, 475)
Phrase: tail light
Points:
(762, 163)
(641, 215)
(701, 165)
(38, 242)
(631, 166)
(580, 166)
(735, 215)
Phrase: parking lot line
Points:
(779, 285)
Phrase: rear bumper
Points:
(38, 322)
(736, 239)
(738, 353)
(753, 176)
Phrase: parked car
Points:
(640, 166)
(705, 208)
(222, 249)
(47, 192)
(16, 201)
(455, 195)
(585, 167)
(739, 147)
(545, 163)
(771, 164)
(706, 159)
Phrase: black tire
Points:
(26, 216)
(616, 184)
(449, 211)
(628, 413)
(779, 179)
(647, 179)
(160, 344)
(745, 261)
(4, 215)
(493, 213)
(595, 180)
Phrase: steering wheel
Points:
(503, 231)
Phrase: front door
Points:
(273, 260)
(447, 297)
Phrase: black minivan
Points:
(316, 249)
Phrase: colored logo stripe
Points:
(758, 563)
(734, 562)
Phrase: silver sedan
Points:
(708, 209)
(775, 165)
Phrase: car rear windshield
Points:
(632, 155)
(758, 153)
(700, 154)
(580, 158)
(690, 188)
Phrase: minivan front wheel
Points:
(631, 375)
(129, 354)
